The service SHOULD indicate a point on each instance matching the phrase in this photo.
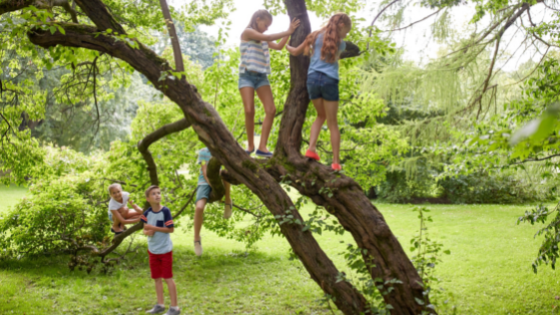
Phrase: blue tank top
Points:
(318, 65)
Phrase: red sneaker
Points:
(336, 167)
(312, 155)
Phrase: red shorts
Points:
(161, 265)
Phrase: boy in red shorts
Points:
(158, 223)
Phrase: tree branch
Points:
(177, 54)
(379, 14)
(409, 25)
(144, 144)
(7, 6)
(352, 50)
(536, 159)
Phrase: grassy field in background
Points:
(488, 271)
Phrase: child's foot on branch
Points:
(265, 154)
(336, 167)
(312, 155)
(250, 151)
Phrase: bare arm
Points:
(119, 217)
(296, 51)
(280, 45)
(135, 206)
(158, 229)
(251, 34)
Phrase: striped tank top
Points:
(254, 57)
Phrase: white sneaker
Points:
(227, 210)
(198, 248)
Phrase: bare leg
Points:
(199, 218)
(172, 291)
(116, 224)
(227, 187)
(159, 291)
(248, 97)
(331, 109)
(130, 214)
(317, 124)
(265, 95)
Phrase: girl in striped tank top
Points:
(253, 71)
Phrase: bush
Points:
(482, 187)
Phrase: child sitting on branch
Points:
(119, 213)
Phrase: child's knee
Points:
(271, 110)
(250, 111)
(199, 209)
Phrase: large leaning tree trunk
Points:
(347, 201)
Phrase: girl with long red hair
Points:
(325, 46)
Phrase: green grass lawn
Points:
(488, 271)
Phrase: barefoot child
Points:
(203, 191)
(119, 213)
(253, 71)
(322, 79)
(158, 223)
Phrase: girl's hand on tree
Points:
(294, 25)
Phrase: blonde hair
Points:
(114, 185)
(331, 39)
(260, 14)
(147, 193)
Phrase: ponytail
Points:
(331, 39)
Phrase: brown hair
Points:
(331, 40)
(260, 14)
(147, 193)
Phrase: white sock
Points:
(162, 305)
(175, 308)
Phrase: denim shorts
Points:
(320, 85)
(252, 79)
(203, 191)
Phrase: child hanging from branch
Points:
(203, 191)
(325, 46)
(119, 213)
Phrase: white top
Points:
(115, 205)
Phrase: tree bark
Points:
(177, 54)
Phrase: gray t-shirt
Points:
(160, 243)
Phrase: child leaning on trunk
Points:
(253, 71)
(158, 224)
(325, 46)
